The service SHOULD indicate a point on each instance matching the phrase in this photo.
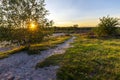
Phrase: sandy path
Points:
(21, 66)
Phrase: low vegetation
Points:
(52, 42)
(9, 52)
(89, 59)
(35, 48)
(52, 60)
(72, 29)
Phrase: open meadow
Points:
(88, 59)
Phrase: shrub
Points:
(107, 26)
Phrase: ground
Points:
(85, 59)
(88, 59)
(91, 59)
(22, 65)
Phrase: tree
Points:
(18, 15)
(76, 25)
(107, 26)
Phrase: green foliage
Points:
(5, 33)
(89, 59)
(16, 17)
(107, 26)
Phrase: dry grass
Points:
(7, 53)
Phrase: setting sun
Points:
(32, 26)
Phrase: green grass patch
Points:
(36, 48)
(51, 43)
(91, 59)
(52, 60)
(7, 53)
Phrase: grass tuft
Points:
(52, 60)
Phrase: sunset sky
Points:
(82, 12)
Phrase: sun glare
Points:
(32, 26)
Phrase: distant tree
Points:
(107, 26)
(76, 25)
(16, 17)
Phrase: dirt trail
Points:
(21, 66)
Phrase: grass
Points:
(8, 53)
(35, 48)
(52, 60)
(52, 42)
(89, 59)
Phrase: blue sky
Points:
(82, 12)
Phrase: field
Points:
(88, 59)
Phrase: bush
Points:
(107, 27)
